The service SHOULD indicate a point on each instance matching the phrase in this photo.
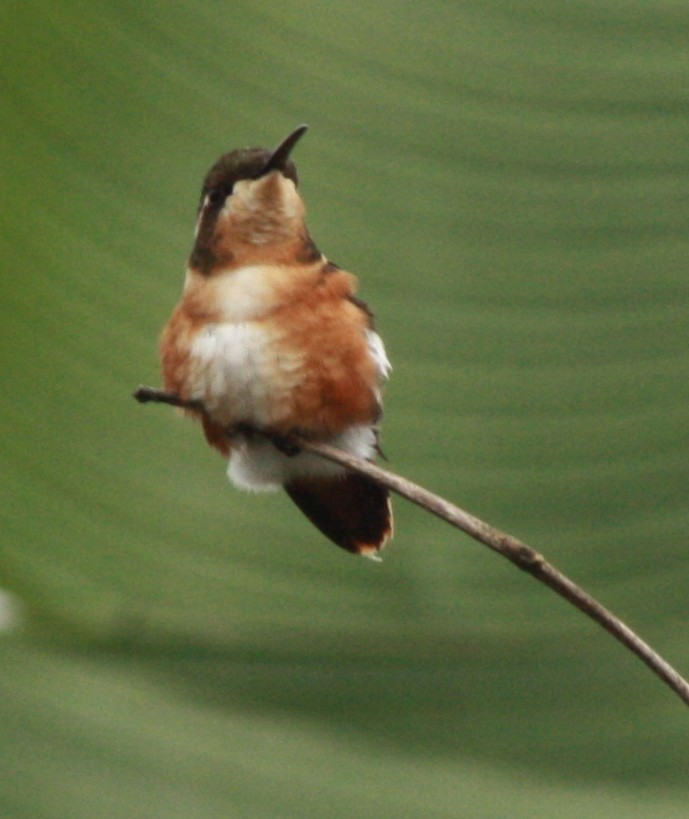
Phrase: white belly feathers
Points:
(241, 375)
(241, 371)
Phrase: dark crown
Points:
(244, 163)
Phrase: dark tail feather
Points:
(352, 510)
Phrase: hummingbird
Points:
(270, 339)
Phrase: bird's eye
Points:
(216, 196)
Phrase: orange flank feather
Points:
(269, 334)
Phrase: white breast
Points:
(239, 374)
(240, 370)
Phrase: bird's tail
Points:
(350, 509)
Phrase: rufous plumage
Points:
(270, 337)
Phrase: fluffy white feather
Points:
(235, 373)
(256, 464)
(377, 350)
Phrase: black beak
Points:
(278, 159)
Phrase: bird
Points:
(269, 340)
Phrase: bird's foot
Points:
(282, 441)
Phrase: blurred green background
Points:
(510, 181)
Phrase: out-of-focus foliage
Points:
(510, 182)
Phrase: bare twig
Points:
(150, 395)
(510, 547)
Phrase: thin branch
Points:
(509, 547)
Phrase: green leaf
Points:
(510, 182)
